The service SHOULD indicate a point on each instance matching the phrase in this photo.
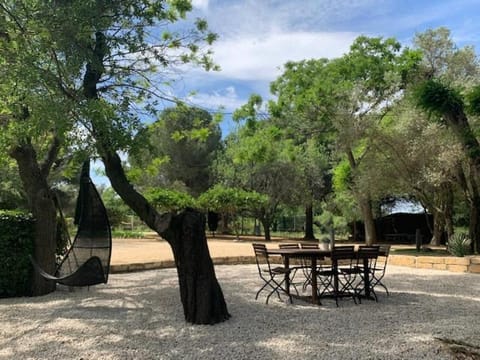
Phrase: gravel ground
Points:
(139, 316)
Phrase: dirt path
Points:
(152, 249)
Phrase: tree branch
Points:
(51, 156)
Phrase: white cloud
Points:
(262, 57)
(225, 97)
(200, 4)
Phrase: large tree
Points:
(415, 158)
(448, 89)
(101, 56)
(182, 145)
(258, 158)
(33, 133)
(346, 97)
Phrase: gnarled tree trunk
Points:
(42, 206)
(201, 295)
(195, 268)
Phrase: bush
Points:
(127, 234)
(170, 200)
(459, 244)
(16, 243)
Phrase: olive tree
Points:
(96, 63)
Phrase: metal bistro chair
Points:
(365, 267)
(338, 281)
(269, 275)
(293, 269)
(378, 272)
(307, 272)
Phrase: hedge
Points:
(16, 243)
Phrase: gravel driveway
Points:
(139, 316)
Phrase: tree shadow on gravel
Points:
(139, 316)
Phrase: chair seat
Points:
(281, 270)
(351, 271)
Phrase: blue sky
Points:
(256, 37)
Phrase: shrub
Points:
(16, 243)
(127, 234)
(459, 244)
(170, 200)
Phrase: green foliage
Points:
(326, 220)
(473, 98)
(437, 98)
(179, 149)
(117, 210)
(169, 200)
(250, 111)
(11, 194)
(16, 244)
(459, 244)
(231, 200)
(127, 234)
(342, 176)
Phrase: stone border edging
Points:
(467, 264)
(470, 264)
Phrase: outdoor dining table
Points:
(314, 255)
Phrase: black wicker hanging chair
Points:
(87, 261)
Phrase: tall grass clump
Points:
(459, 244)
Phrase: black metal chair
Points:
(270, 274)
(296, 267)
(378, 272)
(338, 281)
(364, 269)
(307, 271)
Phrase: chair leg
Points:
(261, 289)
(377, 281)
(348, 287)
(275, 288)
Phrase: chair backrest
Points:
(384, 250)
(261, 257)
(260, 250)
(289, 246)
(309, 246)
(367, 255)
(368, 252)
(343, 252)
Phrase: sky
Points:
(256, 37)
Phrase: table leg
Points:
(335, 276)
(286, 264)
(314, 281)
(366, 278)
